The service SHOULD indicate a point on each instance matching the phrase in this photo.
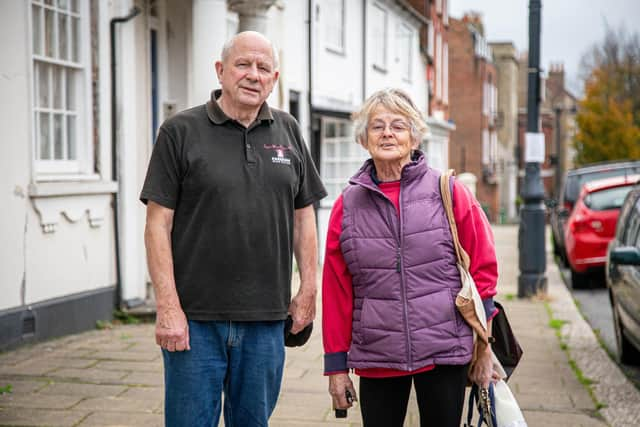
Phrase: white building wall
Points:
(15, 162)
(392, 76)
(74, 254)
(75, 258)
(337, 76)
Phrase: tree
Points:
(609, 115)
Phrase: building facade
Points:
(473, 107)
(506, 62)
(89, 84)
(564, 106)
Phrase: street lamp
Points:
(531, 234)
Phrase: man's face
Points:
(248, 75)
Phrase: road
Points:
(596, 308)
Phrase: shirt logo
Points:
(281, 151)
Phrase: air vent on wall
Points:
(28, 324)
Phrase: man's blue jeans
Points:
(243, 360)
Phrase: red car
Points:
(592, 225)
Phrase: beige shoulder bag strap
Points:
(463, 257)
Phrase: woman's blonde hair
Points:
(396, 101)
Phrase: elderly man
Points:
(229, 192)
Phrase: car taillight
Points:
(580, 225)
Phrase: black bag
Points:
(506, 346)
(299, 339)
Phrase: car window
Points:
(632, 231)
(575, 182)
(610, 198)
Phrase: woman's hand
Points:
(338, 385)
(482, 372)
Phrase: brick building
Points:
(434, 45)
(473, 108)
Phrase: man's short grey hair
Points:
(228, 45)
(394, 100)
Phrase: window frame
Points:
(354, 158)
(82, 166)
(329, 45)
(404, 30)
(385, 35)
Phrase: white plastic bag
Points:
(508, 413)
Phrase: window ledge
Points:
(73, 200)
(71, 188)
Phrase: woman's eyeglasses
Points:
(396, 127)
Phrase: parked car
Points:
(592, 223)
(623, 279)
(572, 183)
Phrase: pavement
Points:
(113, 377)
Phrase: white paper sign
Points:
(534, 147)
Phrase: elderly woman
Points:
(390, 278)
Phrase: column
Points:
(208, 34)
(252, 14)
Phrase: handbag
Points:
(505, 348)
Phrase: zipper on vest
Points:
(398, 260)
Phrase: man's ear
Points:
(219, 68)
(276, 75)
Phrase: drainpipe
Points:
(114, 140)
(310, 18)
(364, 50)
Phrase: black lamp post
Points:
(531, 234)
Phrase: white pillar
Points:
(252, 14)
(208, 34)
(132, 268)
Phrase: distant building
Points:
(506, 63)
(564, 106)
(473, 107)
(558, 109)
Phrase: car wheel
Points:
(578, 280)
(627, 353)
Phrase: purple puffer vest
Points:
(404, 273)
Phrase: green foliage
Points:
(6, 389)
(103, 324)
(608, 119)
(556, 324)
(125, 318)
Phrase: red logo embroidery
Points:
(279, 149)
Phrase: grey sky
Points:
(569, 27)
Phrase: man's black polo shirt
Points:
(233, 191)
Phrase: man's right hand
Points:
(338, 385)
(172, 329)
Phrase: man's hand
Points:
(172, 329)
(302, 309)
(338, 385)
